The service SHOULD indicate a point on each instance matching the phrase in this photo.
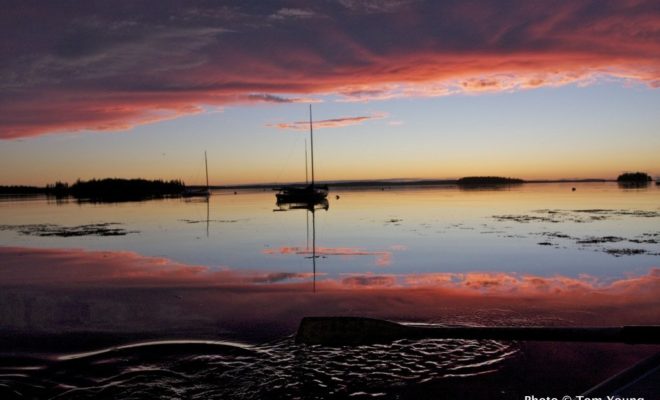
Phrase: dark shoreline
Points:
(20, 190)
(399, 183)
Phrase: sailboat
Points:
(310, 194)
(204, 192)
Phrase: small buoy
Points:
(235, 193)
(573, 189)
(337, 197)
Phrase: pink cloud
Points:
(98, 68)
(270, 98)
(327, 123)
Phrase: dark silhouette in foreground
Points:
(342, 331)
(641, 378)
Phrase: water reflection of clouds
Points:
(508, 284)
(274, 277)
(63, 290)
(383, 258)
(74, 267)
(369, 281)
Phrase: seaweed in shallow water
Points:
(625, 252)
(46, 230)
(603, 239)
(576, 216)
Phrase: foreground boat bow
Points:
(339, 331)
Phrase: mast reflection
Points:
(311, 208)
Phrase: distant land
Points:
(104, 190)
(22, 190)
(488, 180)
(115, 189)
(639, 177)
(398, 182)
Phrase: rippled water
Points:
(225, 370)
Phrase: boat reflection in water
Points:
(311, 208)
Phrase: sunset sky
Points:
(400, 89)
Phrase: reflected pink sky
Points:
(54, 267)
(72, 289)
(382, 258)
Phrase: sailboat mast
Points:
(311, 138)
(313, 250)
(206, 164)
(306, 174)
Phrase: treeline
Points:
(109, 189)
(488, 180)
(21, 190)
(639, 177)
(114, 189)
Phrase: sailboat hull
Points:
(302, 195)
(204, 192)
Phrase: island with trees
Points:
(115, 189)
(634, 177)
(104, 190)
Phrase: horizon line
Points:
(351, 181)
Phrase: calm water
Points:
(405, 231)
(238, 274)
